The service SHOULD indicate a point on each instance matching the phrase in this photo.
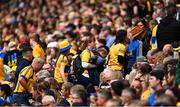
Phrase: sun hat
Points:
(64, 46)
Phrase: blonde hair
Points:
(38, 60)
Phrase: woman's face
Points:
(98, 44)
(103, 53)
(53, 52)
(136, 84)
(92, 44)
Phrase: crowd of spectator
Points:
(89, 53)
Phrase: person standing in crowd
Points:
(62, 68)
(106, 34)
(35, 44)
(25, 61)
(109, 37)
(117, 52)
(13, 56)
(84, 79)
(135, 47)
(168, 29)
(26, 79)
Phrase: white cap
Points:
(52, 45)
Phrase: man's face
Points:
(101, 100)
(153, 81)
(98, 44)
(38, 66)
(30, 55)
(136, 84)
(105, 33)
(92, 44)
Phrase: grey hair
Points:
(44, 74)
(48, 99)
(38, 60)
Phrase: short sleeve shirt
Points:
(62, 61)
(115, 51)
(85, 56)
(38, 51)
(29, 76)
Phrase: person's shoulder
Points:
(64, 102)
(24, 61)
(1, 101)
(26, 68)
(85, 51)
(62, 57)
(120, 45)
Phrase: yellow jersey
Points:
(145, 95)
(62, 61)
(85, 56)
(115, 51)
(38, 51)
(2, 73)
(73, 51)
(29, 76)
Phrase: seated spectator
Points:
(137, 103)
(65, 92)
(78, 96)
(168, 52)
(48, 101)
(113, 103)
(103, 96)
(155, 81)
(6, 93)
(127, 95)
(117, 86)
(108, 74)
(165, 100)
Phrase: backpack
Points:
(77, 66)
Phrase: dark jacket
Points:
(168, 32)
(23, 63)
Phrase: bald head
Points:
(168, 49)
